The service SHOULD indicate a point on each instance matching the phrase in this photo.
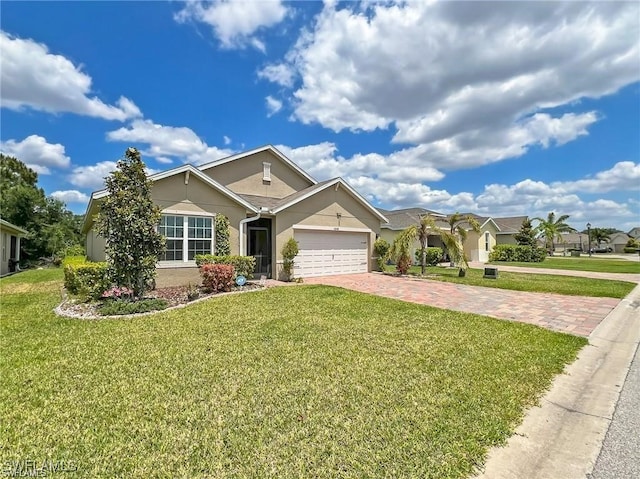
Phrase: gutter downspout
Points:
(242, 233)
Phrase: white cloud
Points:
(36, 153)
(465, 83)
(91, 176)
(168, 141)
(387, 181)
(70, 196)
(235, 23)
(623, 176)
(280, 73)
(273, 105)
(32, 77)
(227, 140)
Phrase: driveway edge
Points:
(563, 436)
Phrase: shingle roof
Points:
(510, 224)
(261, 201)
(401, 219)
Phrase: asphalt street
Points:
(620, 454)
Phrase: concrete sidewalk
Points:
(563, 437)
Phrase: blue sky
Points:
(500, 109)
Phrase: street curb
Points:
(562, 437)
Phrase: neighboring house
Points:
(400, 220)
(634, 232)
(476, 247)
(267, 199)
(10, 235)
(571, 241)
(509, 227)
(618, 241)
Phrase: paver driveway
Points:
(570, 314)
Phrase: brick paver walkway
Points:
(577, 315)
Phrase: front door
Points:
(260, 248)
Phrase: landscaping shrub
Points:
(631, 250)
(517, 253)
(223, 245)
(217, 277)
(381, 248)
(116, 307)
(433, 255)
(85, 279)
(242, 265)
(289, 252)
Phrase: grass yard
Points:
(304, 381)
(541, 283)
(597, 264)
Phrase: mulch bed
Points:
(176, 296)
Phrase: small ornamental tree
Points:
(223, 246)
(527, 235)
(128, 221)
(289, 252)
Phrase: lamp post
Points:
(589, 237)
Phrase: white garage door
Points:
(324, 253)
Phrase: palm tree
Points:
(598, 235)
(454, 238)
(402, 244)
(552, 227)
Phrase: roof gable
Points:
(270, 148)
(317, 188)
(187, 170)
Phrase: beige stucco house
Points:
(10, 236)
(267, 199)
(477, 245)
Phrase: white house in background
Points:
(634, 232)
(10, 235)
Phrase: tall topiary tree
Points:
(527, 235)
(128, 221)
(223, 246)
(289, 252)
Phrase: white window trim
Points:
(185, 261)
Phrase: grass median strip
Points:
(540, 283)
(596, 264)
(306, 381)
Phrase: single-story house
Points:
(477, 245)
(571, 241)
(509, 227)
(10, 235)
(267, 199)
(618, 241)
(399, 220)
(634, 232)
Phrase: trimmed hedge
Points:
(517, 253)
(242, 265)
(85, 279)
(433, 256)
(630, 250)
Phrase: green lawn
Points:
(594, 263)
(304, 381)
(542, 283)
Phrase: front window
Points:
(190, 234)
(486, 241)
